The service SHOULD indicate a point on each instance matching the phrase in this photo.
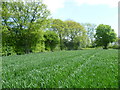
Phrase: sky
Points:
(85, 11)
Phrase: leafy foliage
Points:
(104, 35)
(59, 27)
(90, 28)
(51, 40)
(22, 23)
(76, 34)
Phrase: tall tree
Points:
(90, 28)
(76, 34)
(58, 26)
(104, 35)
(23, 22)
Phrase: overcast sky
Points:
(83, 11)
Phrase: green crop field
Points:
(95, 68)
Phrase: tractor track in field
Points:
(73, 66)
(23, 71)
(50, 67)
(79, 68)
(63, 69)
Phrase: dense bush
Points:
(51, 40)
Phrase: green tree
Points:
(59, 26)
(119, 42)
(104, 35)
(51, 40)
(75, 34)
(22, 24)
(90, 28)
(115, 44)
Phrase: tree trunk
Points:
(105, 47)
(61, 47)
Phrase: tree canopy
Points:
(59, 27)
(22, 23)
(104, 35)
(90, 28)
(51, 40)
(27, 27)
(76, 34)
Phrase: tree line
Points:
(27, 27)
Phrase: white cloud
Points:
(110, 3)
(53, 5)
